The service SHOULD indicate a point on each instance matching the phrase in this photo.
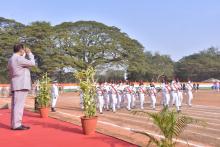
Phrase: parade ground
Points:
(206, 107)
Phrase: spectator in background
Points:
(184, 86)
(36, 92)
(194, 86)
(217, 86)
(197, 86)
(54, 95)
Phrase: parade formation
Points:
(117, 95)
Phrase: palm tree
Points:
(170, 124)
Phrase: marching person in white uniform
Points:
(81, 99)
(106, 96)
(166, 91)
(133, 95)
(113, 92)
(100, 97)
(141, 92)
(163, 89)
(153, 92)
(189, 88)
(174, 89)
(54, 95)
(119, 89)
(180, 92)
(123, 96)
(128, 93)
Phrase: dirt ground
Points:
(206, 107)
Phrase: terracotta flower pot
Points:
(44, 112)
(89, 124)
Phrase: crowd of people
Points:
(216, 86)
(114, 96)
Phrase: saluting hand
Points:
(27, 50)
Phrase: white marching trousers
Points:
(107, 101)
(101, 103)
(128, 96)
(54, 101)
(176, 100)
(153, 101)
(180, 96)
(173, 97)
(119, 97)
(167, 99)
(142, 100)
(190, 97)
(163, 100)
(114, 102)
(81, 101)
(133, 100)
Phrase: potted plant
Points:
(43, 96)
(87, 85)
(170, 123)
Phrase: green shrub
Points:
(87, 85)
(43, 96)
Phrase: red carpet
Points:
(50, 133)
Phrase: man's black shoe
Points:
(22, 127)
(27, 127)
(53, 110)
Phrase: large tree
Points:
(159, 66)
(199, 66)
(9, 35)
(153, 67)
(89, 43)
(39, 36)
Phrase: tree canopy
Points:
(70, 46)
(199, 66)
(9, 35)
(89, 43)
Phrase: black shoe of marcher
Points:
(53, 110)
(22, 127)
(178, 111)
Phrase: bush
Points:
(43, 96)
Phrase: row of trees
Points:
(62, 49)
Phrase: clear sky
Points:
(174, 27)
